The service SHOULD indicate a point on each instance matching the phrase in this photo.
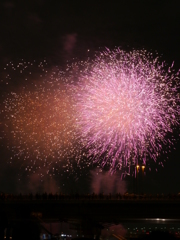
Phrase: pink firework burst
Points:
(126, 105)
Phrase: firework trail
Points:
(127, 103)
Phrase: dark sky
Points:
(40, 28)
(61, 30)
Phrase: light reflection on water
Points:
(128, 229)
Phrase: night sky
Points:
(63, 30)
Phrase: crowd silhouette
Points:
(92, 196)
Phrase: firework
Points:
(37, 118)
(115, 110)
(127, 103)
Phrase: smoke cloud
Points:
(104, 182)
(69, 42)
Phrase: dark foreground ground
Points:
(89, 215)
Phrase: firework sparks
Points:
(116, 110)
(126, 104)
(37, 118)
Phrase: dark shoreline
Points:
(98, 210)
